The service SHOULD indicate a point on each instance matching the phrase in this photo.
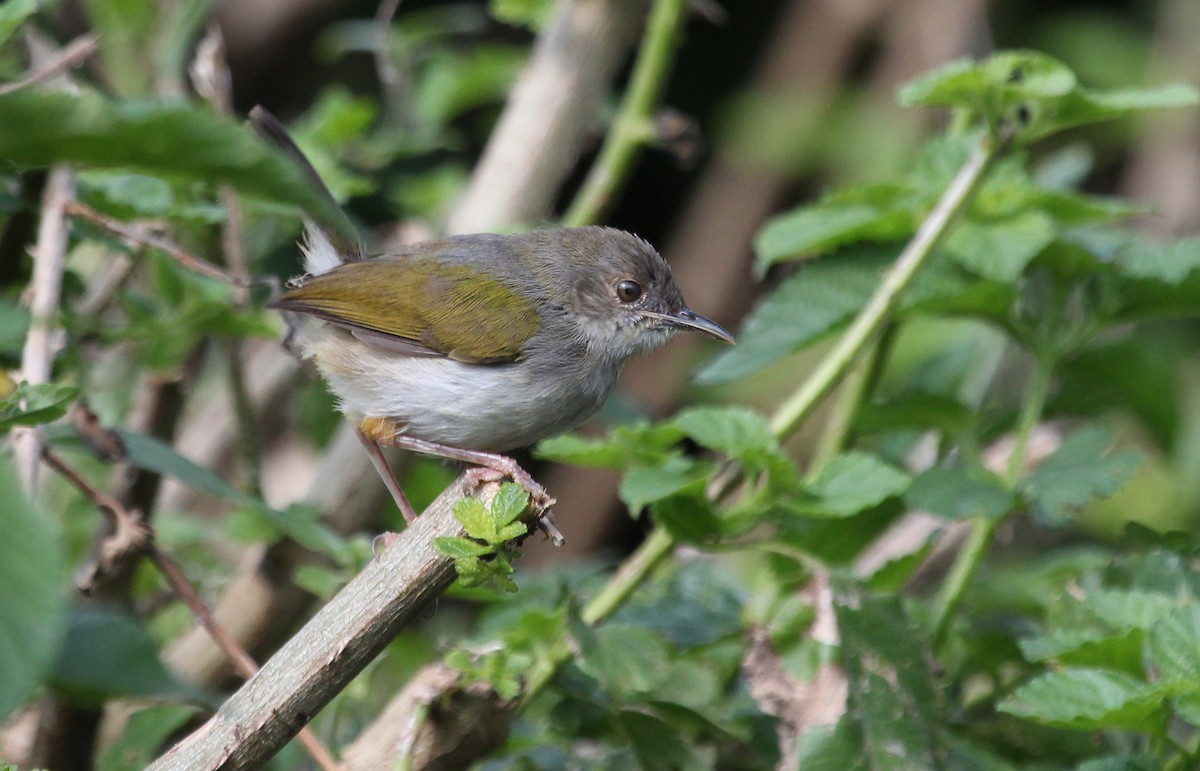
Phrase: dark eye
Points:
(629, 291)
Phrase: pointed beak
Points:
(693, 321)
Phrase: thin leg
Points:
(375, 453)
(501, 463)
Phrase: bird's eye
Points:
(629, 291)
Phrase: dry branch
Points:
(324, 656)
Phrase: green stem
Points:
(854, 340)
(883, 303)
(857, 383)
(632, 128)
(983, 529)
(616, 591)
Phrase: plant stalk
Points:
(633, 126)
(983, 529)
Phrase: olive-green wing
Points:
(438, 309)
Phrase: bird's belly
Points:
(480, 407)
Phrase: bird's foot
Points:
(540, 501)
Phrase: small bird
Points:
(474, 345)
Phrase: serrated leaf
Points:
(853, 482)
(1090, 648)
(632, 444)
(475, 519)
(1174, 647)
(33, 594)
(510, 503)
(460, 548)
(890, 685)
(736, 431)
(1088, 700)
(1000, 250)
(1082, 470)
(511, 531)
(959, 492)
(877, 213)
(643, 485)
(807, 304)
(627, 660)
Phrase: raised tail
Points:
(331, 239)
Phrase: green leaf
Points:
(1088, 700)
(689, 520)
(12, 14)
(832, 747)
(165, 139)
(999, 250)
(14, 326)
(807, 304)
(43, 403)
(1082, 470)
(1174, 647)
(1035, 93)
(108, 654)
(460, 548)
(890, 686)
(874, 213)
(146, 732)
(736, 431)
(152, 454)
(628, 661)
(643, 485)
(522, 13)
(33, 594)
(627, 445)
(854, 482)
(510, 503)
(475, 519)
(657, 744)
(959, 492)
(1090, 648)
(1170, 263)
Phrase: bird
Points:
(471, 346)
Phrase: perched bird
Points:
(474, 345)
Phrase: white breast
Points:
(480, 407)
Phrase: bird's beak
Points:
(693, 321)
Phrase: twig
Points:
(74, 54)
(132, 537)
(137, 235)
(391, 81)
(549, 113)
(634, 125)
(44, 292)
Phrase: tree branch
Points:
(324, 656)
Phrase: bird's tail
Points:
(329, 240)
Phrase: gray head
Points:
(621, 291)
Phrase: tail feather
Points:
(328, 243)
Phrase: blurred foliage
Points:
(1041, 316)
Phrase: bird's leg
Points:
(502, 465)
(375, 453)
